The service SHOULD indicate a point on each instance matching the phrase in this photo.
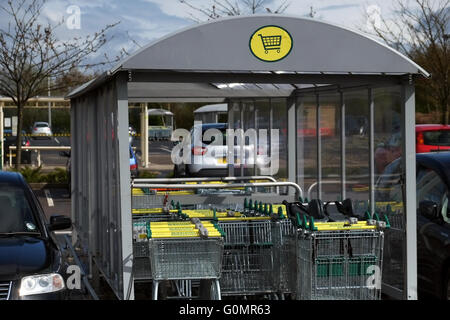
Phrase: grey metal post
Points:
(126, 230)
(343, 149)
(371, 151)
(409, 163)
(255, 149)
(49, 105)
(319, 150)
(230, 140)
(146, 149)
(300, 148)
(241, 147)
(142, 135)
(292, 139)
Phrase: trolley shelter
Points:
(343, 105)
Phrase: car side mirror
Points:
(59, 222)
(429, 209)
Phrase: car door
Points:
(432, 233)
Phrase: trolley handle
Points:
(305, 222)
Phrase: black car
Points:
(433, 218)
(32, 264)
(433, 224)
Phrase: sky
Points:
(143, 21)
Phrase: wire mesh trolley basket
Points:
(177, 251)
(282, 230)
(247, 267)
(185, 259)
(338, 264)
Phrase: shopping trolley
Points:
(271, 43)
(178, 251)
(248, 257)
(282, 230)
(336, 260)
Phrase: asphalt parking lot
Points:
(54, 201)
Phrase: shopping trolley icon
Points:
(271, 43)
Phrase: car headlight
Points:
(39, 284)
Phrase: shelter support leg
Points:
(409, 163)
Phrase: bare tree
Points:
(30, 54)
(420, 31)
(223, 8)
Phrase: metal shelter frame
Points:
(212, 62)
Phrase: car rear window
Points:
(15, 211)
(437, 138)
(222, 141)
(41, 125)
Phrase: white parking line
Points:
(49, 198)
(165, 149)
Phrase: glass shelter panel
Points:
(357, 171)
(262, 108)
(389, 182)
(279, 122)
(330, 141)
(307, 142)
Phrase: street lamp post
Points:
(47, 34)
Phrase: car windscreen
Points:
(15, 211)
(437, 138)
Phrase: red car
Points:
(432, 138)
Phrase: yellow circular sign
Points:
(270, 43)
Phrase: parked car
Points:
(433, 224)
(10, 140)
(432, 138)
(134, 168)
(433, 218)
(41, 129)
(429, 138)
(210, 159)
(32, 265)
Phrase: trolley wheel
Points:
(209, 290)
(266, 52)
(278, 50)
(159, 289)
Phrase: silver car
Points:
(210, 159)
(41, 129)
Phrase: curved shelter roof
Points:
(224, 46)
